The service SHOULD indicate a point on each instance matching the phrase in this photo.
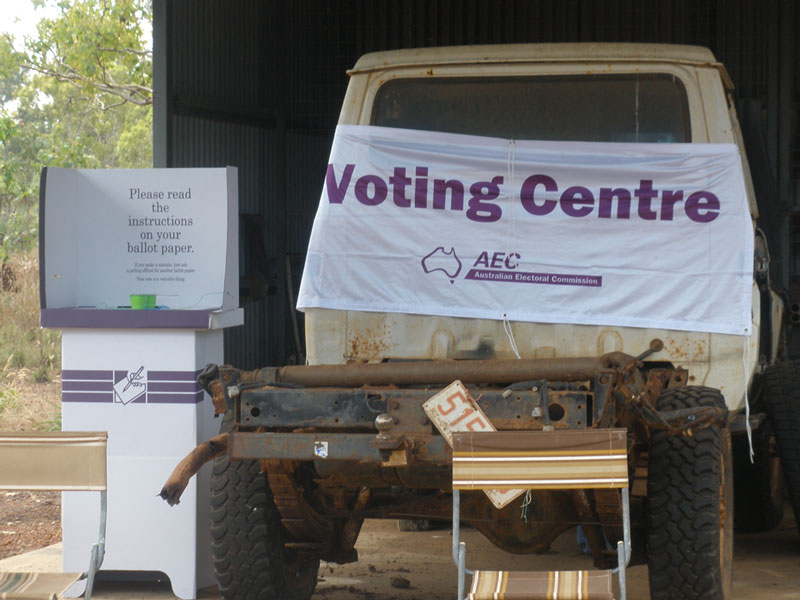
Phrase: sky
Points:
(19, 18)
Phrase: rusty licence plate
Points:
(454, 410)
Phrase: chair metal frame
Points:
(460, 548)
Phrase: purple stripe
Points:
(84, 397)
(79, 374)
(120, 375)
(172, 387)
(125, 319)
(87, 386)
(172, 375)
(163, 398)
(495, 275)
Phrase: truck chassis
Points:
(340, 443)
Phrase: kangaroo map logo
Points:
(446, 261)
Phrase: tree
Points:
(97, 46)
(10, 72)
(14, 161)
(78, 96)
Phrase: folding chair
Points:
(61, 461)
(541, 460)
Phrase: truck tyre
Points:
(758, 486)
(783, 407)
(690, 505)
(247, 538)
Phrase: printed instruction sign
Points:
(639, 235)
(116, 232)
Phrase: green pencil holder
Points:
(143, 301)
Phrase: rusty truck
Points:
(307, 452)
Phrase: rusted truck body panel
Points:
(724, 362)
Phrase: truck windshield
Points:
(594, 108)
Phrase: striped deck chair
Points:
(538, 460)
(61, 461)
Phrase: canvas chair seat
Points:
(541, 585)
(58, 461)
(36, 586)
(538, 460)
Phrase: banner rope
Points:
(510, 334)
(511, 231)
(746, 400)
(511, 235)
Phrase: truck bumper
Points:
(360, 447)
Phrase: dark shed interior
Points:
(258, 84)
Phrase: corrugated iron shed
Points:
(258, 84)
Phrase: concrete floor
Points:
(766, 566)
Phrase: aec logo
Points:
(498, 260)
(447, 262)
(501, 267)
(497, 266)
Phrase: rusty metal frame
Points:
(299, 418)
(337, 409)
(252, 445)
(433, 372)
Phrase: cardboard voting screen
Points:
(110, 233)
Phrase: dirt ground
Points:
(28, 520)
(395, 565)
(766, 566)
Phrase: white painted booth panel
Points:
(148, 433)
(106, 237)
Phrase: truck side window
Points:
(595, 108)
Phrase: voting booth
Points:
(139, 268)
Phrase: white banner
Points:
(639, 235)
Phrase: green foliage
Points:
(28, 352)
(53, 421)
(130, 151)
(97, 46)
(19, 230)
(76, 95)
(10, 74)
(9, 399)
